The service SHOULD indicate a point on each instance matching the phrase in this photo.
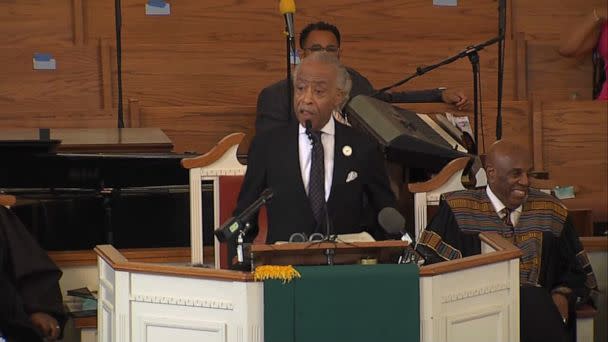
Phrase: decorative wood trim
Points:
(521, 67)
(215, 153)
(152, 255)
(7, 200)
(473, 292)
(134, 113)
(503, 253)
(85, 322)
(595, 243)
(106, 74)
(537, 133)
(497, 242)
(184, 301)
(443, 176)
(586, 311)
(78, 21)
(119, 263)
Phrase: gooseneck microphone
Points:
(393, 222)
(239, 222)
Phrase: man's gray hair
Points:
(343, 81)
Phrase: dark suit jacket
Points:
(273, 108)
(273, 162)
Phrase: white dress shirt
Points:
(499, 206)
(328, 134)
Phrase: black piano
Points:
(77, 188)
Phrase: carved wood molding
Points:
(119, 263)
(216, 152)
(184, 301)
(156, 255)
(473, 292)
(595, 243)
(443, 176)
(504, 253)
(7, 200)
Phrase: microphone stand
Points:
(471, 53)
(118, 20)
(502, 23)
(290, 47)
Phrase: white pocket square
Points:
(351, 176)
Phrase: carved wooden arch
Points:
(7, 200)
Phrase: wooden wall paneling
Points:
(199, 128)
(521, 67)
(224, 21)
(78, 20)
(202, 74)
(57, 117)
(74, 84)
(133, 118)
(99, 19)
(384, 66)
(548, 72)
(547, 20)
(199, 74)
(36, 22)
(105, 53)
(575, 150)
(515, 114)
(537, 134)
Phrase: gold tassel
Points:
(284, 273)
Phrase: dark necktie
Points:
(316, 181)
(507, 218)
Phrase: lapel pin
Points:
(347, 150)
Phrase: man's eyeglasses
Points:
(319, 48)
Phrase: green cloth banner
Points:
(344, 303)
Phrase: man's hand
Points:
(46, 324)
(561, 301)
(454, 97)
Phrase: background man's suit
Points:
(273, 162)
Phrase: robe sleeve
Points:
(28, 269)
(573, 271)
(442, 239)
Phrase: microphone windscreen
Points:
(391, 220)
(287, 6)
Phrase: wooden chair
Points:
(7, 200)
(220, 167)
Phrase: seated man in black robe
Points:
(554, 270)
(31, 306)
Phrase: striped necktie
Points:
(316, 183)
(507, 217)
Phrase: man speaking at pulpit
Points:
(326, 177)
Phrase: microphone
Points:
(240, 222)
(393, 222)
(288, 9)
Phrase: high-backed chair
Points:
(7, 200)
(222, 169)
